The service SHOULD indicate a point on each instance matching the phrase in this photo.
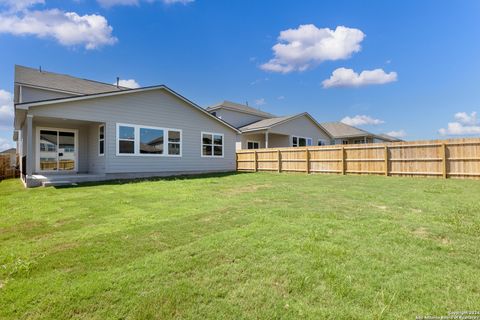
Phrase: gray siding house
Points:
(260, 129)
(69, 129)
(342, 133)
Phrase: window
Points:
(148, 141)
(47, 147)
(174, 142)
(212, 144)
(151, 141)
(301, 141)
(101, 140)
(126, 140)
(321, 143)
(253, 145)
(345, 142)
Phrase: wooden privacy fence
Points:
(6, 170)
(455, 158)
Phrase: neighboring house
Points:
(98, 131)
(12, 152)
(238, 115)
(386, 138)
(260, 129)
(342, 133)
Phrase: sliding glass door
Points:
(57, 150)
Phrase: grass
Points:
(241, 246)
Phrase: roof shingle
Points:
(61, 82)
(267, 123)
(340, 130)
(228, 105)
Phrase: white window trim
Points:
(201, 144)
(136, 140)
(99, 140)
(253, 141)
(299, 137)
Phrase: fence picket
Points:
(454, 158)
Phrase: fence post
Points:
(279, 158)
(307, 161)
(386, 160)
(255, 161)
(343, 160)
(236, 161)
(444, 160)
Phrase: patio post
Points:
(29, 153)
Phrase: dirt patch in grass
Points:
(247, 189)
(421, 232)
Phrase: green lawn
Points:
(264, 246)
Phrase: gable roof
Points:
(388, 138)
(60, 82)
(11, 151)
(342, 130)
(272, 122)
(266, 123)
(27, 105)
(228, 105)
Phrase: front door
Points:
(56, 150)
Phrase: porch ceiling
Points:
(269, 131)
(60, 121)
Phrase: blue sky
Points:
(277, 55)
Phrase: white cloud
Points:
(68, 28)
(6, 110)
(465, 118)
(397, 134)
(343, 77)
(303, 48)
(111, 3)
(361, 120)
(466, 124)
(18, 5)
(130, 83)
(281, 98)
(260, 102)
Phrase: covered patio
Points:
(264, 139)
(59, 149)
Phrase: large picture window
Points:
(301, 141)
(151, 141)
(148, 141)
(212, 144)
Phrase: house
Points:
(69, 129)
(260, 129)
(342, 133)
(12, 153)
(383, 137)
